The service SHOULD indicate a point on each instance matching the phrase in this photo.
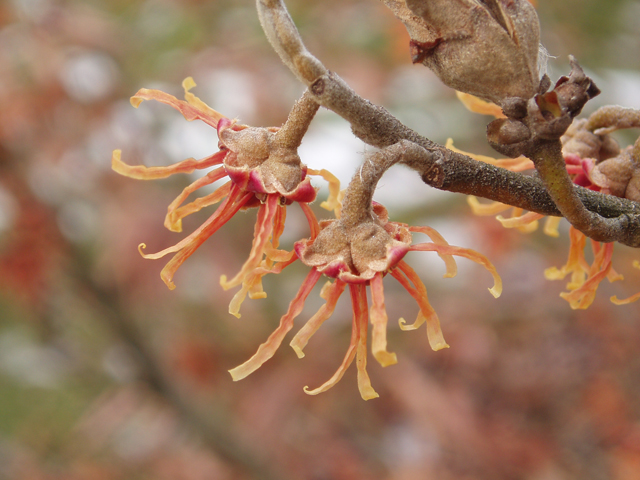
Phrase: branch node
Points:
(317, 87)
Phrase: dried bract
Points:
(486, 48)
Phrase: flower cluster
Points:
(593, 160)
(356, 249)
(360, 254)
(264, 171)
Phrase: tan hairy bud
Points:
(487, 48)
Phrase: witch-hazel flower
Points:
(357, 250)
(264, 171)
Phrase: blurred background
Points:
(106, 374)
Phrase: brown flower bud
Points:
(614, 175)
(579, 141)
(633, 188)
(488, 48)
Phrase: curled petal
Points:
(333, 202)
(472, 255)
(191, 110)
(140, 172)
(268, 348)
(278, 226)
(406, 276)
(272, 253)
(551, 226)
(348, 358)
(586, 278)
(359, 300)
(483, 209)
(614, 276)
(263, 231)
(231, 202)
(526, 223)
(251, 286)
(378, 316)
(186, 247)
(576, 263)
(449, 261)
(311, 219)
(583, 296)
(519, 164)
(276, 255)
(625, 301)
(477, 105)
(630, 299)
(187, 84)
(173, 220)
(331, 293)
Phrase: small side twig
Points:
(291, 133)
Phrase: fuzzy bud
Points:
(487, 48)
(619, 176)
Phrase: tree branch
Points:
(439, 167)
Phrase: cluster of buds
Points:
(543, 118)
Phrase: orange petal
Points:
(311, 218)
(582, 296)
(472, 255)
(348, 358)
(477, 105)
(625, 301)
(213, 219)
(449, 261)
(519, 164)
(188, 83)
(331, 293)
(278, 225)
(333, 202)
(189, 111)
(173, 219)
(576, 263)
(140, 172)
(186, 247)
(359, 301)
(526, 223)
(483, 209)
(262, 233)
(378, 316)
(551, 226)
(251, 286)
(426, 314)
(271, 251)
(268, 348)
